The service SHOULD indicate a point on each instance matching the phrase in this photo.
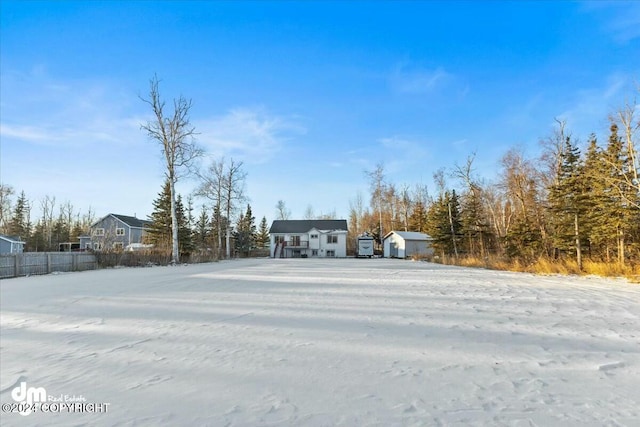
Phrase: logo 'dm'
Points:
(28, 395)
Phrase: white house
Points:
(403, 244)
(324, 238)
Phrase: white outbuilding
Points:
(404, 244)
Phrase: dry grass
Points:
(548, 266)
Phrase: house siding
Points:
(310, 247)
(110, 240)
(396, 246)
(11, 247)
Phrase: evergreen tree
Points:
(245, 232)
(418, 217)
(159, 232)
(262, 237)
(38, 241)
(219, 226)
(595, 220)
(185, 237)
(473, 222)
(568, 201)
(619, 217)
(202, 231)
(443, 224)
(20, 225)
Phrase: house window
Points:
(279, 239)
(331, 253)
(119, 231)
(314, 236)
(332, 239)
(314, 252)
(118, 246)
(97, 246)
(98, 232)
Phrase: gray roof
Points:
(131, 221)
(409, 235)
(13, 239)
(304, 225)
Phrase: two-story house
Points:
(117, 232)
(308, 238)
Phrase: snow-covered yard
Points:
(310, 342)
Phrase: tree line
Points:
(58, 223)
(574, 201)
(209, 233)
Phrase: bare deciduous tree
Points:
(309, 213)
(377, 188)
(212, 188)
(282, 212)
(175, 135)
(553, 149)
(630, 124)
(47, 205)
(6, 192)
(234, 194)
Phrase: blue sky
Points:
(308, 95)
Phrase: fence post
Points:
(16, 265)
(74, 261)
(48, 263)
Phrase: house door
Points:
(393, 249)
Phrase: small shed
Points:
(404, 244)
(11, 245)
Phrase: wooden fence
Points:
(28, 263)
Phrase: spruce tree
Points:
(473, 222)
(262, 237)
(443, 224)
(159, 233)
(568, 201)
(620, 213)
(202, 231)
(418, 218)
(20, 226)
(245, 232)
(185, 238)
(596, 219)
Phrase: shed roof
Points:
(304, 225)
(12, 239)
(409, 235)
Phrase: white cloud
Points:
(252, 135)
(592, 106)
(621, 19)
(38, 110)
(405, 79)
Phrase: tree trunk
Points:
(453, 234)
(175, 253)
(578, 247)
(621, 247)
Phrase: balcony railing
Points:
(296, 244)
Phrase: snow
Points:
(309, 342)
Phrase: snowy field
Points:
(309, 342)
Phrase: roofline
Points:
(398, 233)
(114, 216)
(10, 240)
